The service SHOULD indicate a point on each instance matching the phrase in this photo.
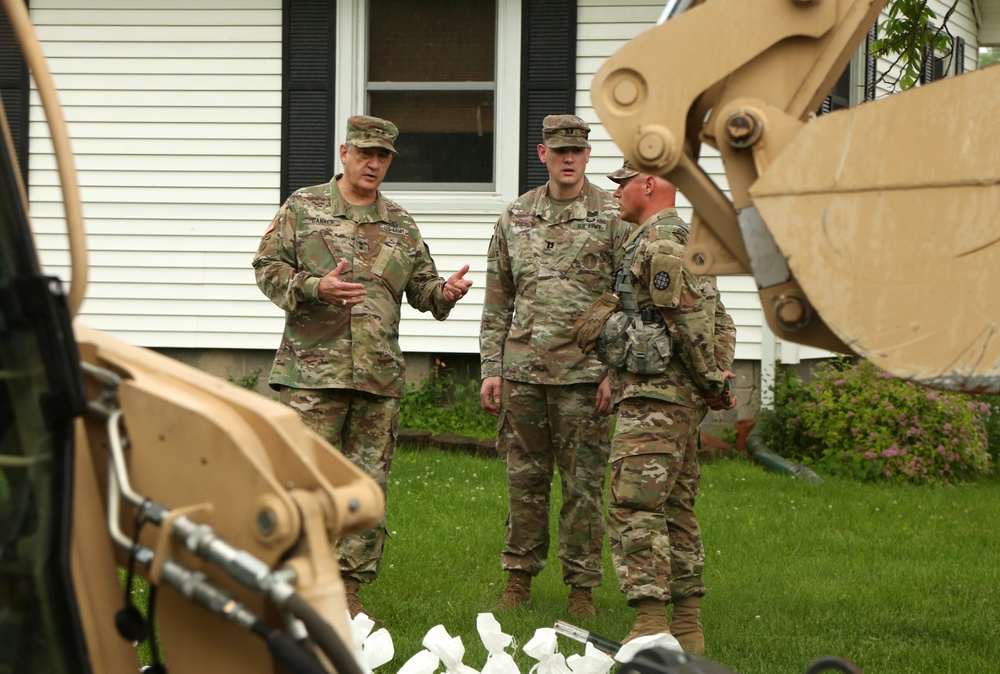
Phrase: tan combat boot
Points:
(650, 618)
(354, 606)
(518, 590)
(686, 624)
(581, 603)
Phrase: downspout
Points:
(750, 440)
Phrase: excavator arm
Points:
(869, 231)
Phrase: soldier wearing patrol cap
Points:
(659, 414)
(565, 131)
(552, 253)
(338, 259)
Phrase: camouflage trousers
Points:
(541, 426)
(655, 540)
(363, 426)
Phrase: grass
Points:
(897, 579)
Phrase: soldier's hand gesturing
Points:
(340, 293)
(456, 286)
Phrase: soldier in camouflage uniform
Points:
(338, 258)
(655, 540)
(552, 253)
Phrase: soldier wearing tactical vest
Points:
(671, 344)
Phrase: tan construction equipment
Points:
(870, 230)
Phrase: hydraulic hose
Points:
(323, 634)
(287, 652)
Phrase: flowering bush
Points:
(862, 422)
(992, 422)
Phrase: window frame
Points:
(352, 98)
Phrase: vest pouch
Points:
(648, 348)
(612, 343)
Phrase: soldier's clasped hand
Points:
(340, 293)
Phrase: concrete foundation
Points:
(243, 366)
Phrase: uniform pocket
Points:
(392, 265)
(567, 258)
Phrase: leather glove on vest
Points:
(588, 328)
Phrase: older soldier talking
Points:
(338, 258)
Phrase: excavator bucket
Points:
(887, 216)
(869, 231)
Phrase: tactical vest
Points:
(633, 339)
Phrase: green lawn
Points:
(897, 579)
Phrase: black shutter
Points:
(871, 64)
(14, 90)
(927, 67)
(307, 93)
(959, 55)
(548, 77)
(929, 64)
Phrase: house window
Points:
(467, 82)
(432, 71)
(840, 96)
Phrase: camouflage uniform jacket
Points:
(703, 334)
(545, 267)
(328, 346)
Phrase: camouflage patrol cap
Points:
(364, 131)
(624, 173)
(564, 131)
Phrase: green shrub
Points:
(248, 381)
(861, 422)
(446, 404)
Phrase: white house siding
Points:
(174, 108)
(988, 12)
